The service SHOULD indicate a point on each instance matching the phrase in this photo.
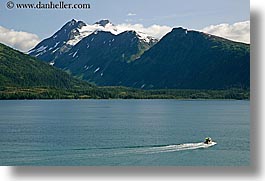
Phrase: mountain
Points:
(25, 77)
(73, 32)
(107, 56)
(102, 57)
(191, 60)
(57, 44)
(21, 70)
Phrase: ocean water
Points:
(124, 132)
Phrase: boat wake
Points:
(147, 149)
(164, 148)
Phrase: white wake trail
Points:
(181, 147)
(167, 148)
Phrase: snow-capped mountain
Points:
(102, 56)
(107, 26)
(109, 55)
(73, 32)
(57, 44)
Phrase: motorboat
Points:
(208, 140)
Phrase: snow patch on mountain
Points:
(87, 30)
(97, 69)
(41, 48)
(75, 53)
(106, 26)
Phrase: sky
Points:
(221, 17)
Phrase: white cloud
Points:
(20, 40)
(156, 31)
(131, 14)
(238, 31)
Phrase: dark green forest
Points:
(25, 77)
(118, 93)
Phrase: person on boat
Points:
(208, 140)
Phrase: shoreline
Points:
(65, 99)
(105, 93)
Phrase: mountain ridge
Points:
(21, 70)
(72, 33)
(25, 77)
(182, 59)
(190, 59)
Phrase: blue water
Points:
(124, 132)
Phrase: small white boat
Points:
(208, 140)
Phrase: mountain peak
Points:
(74, 20)
(179, 29)
(75, 24)
(103, 22)
(74, 31)
(71, 22)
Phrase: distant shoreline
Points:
(104, 93)
(123, 99)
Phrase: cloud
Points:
(238, 31)
(19, 40)
(131, 14)
(156, 31)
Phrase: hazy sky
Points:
(192, 14)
